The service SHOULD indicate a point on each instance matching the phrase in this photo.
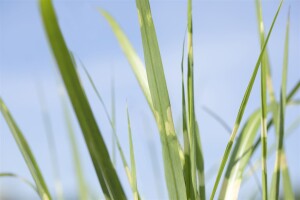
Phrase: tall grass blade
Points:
(112, 124)
(240, 157)
(196, 152)
(51, 143)
(113, 119)
(132, 162)
(190, 192)
(26, 152)
(242, 108)
(280, 161)
(81, 182)
(106, 173)
(161, 103)
(131, 55)
(17, 177)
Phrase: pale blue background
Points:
(226, 47)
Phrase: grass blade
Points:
(196, 156)
(161, 103)
(106, 173)
(113, 120)
(51, 143)
(131, 55)
(82, 186)
(113, 126)
(132, 162)
(280, 161)
(26, 152)
(190, 192)
(242, 108)
(240, 157)
(24, 180)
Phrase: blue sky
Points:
(226, 47)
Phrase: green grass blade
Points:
(242, 108)
(280, 161)
(81, 182)
(200, 164)
(132, 162)
(161, 103)
(51, 142)
(240, 157)
(196, 155)
(24, 180)
(131, 55)
(112, 124)
(26, 152)
(106, 173)
(190, 192)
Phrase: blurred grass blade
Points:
(280, 161)
(26, 152)
(132, 162)
(113, 120)
(242, 108)
(106, 173)
(24, 180)
(51, 142)
(112, 124)
(161, 103)
(82, 186)
(131, 55)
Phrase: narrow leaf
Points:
(106, 173)
(26, 152)
(242, 108)
(161, 103)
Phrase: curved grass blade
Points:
(24, 180)
(280, 161)
(161, 103)
(242, 108)
(106, 173)
(26, 152)
(240, 157)
(131, 55)
(82, 186)
(132, 162)
(51, 143)
(200, 165)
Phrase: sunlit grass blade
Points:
(264, 134)
(161, 103)
(132, 161)
(26, 152)
(238, 146)
(280, 161)
(240, 157)
(17, 177)
(81, 182)
(51, 143)
(106, 173)
(131, 55)
(242, 108)
(195, 151)
(200, 164)
(190, 192)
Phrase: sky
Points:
(226, 48)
